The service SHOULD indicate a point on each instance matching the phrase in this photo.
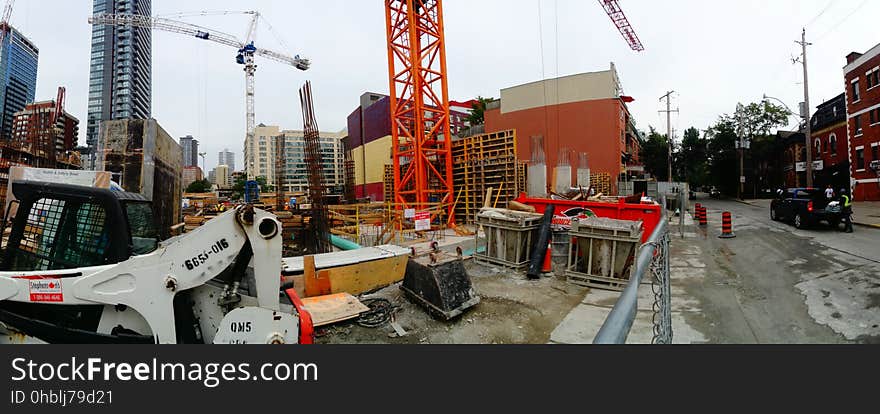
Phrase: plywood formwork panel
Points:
(147, 161)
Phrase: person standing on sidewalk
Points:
(829, 193)
(846, 204)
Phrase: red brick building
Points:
(45, 130)
(830, 148)
(862, 74)
(582, 113)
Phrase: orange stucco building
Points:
(582, 113)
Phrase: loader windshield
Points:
(60, 234)
(144, 235)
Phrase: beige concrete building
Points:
(260, 158)
(222, 177)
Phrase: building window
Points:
(860, 159)
(873, 77)
(875, 116)
(858, 125)
(833, 144)
(875, 153)
(857, 94)
(818, 146)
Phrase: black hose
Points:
(540, 249)
(381, 312)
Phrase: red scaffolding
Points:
(419, 104)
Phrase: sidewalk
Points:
(867, 213)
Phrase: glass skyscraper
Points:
(190, 148)
(120, 85)
(18, 77)
(227, 158)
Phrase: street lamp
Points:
(790, 112)
(204, 165)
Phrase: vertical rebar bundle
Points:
(537, 174)
(583, 174)
(563, 171)
(318, 238)
(280, 171)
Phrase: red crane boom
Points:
(612, 7)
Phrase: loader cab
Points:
(59, 227)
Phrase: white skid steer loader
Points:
(84, 265)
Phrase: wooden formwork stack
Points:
(482, 162)
(601, 182)
(389, 184)
(522, 176)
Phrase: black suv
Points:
(805, 207)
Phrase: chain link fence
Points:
(662, 287)
(652, 259)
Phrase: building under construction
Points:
(44, 135)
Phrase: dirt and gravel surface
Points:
(513, 310)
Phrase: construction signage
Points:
(423, 220)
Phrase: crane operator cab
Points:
(58, 227)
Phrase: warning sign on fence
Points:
(423, 220)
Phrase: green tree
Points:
(722, 156)
(655, 155)
(694, 165)
(478, 111)
(199, 187)
(754, 122)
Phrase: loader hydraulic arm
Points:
(148, 284)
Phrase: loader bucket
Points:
(440, 285)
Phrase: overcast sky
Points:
(713, 53)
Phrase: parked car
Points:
(805, 207)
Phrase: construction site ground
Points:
(513, 310)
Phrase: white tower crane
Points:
(247, 51)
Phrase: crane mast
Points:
(247, 51)
(421, 133)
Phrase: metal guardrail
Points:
(653, 256)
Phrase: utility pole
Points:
(669, 112)
(807, 109)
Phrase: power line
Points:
(865, 2)
(822, 13)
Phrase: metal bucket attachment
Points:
(439, 283)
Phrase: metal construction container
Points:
(510, 237)
(603, 252)
(561, 245)
(145, 160)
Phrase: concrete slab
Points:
(687, 274)
(848, 302)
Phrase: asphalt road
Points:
(774, 284)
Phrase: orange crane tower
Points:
(420, 128)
